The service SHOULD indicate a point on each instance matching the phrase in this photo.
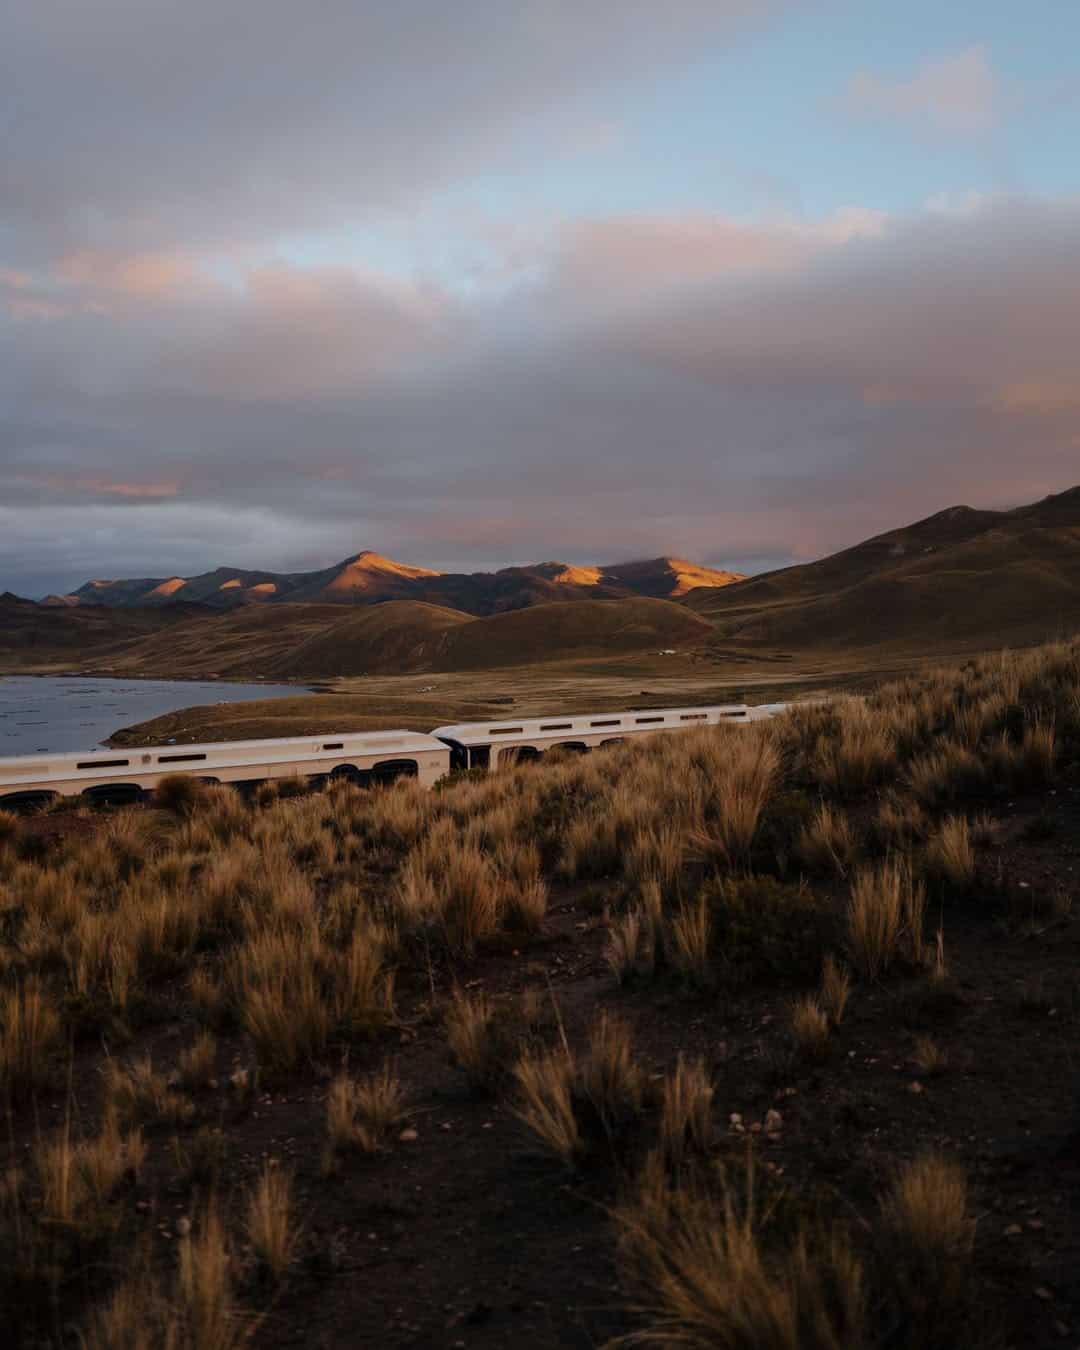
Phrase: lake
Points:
(59, 713)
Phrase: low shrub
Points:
(767, 931)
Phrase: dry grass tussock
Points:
(810, 1027)
(835, 990)
(886, 911)
(686, 1114)
(827, 845)
(574, 1104)
(30, 1034)
(860, 755)
(718, 1263)
(546, 1083)
(705, 1270)
(270, 1223)
(742, 772)
(364, 1113)
(950, 853)
(926, 1237)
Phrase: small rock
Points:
(735, 1118)
(1013, 1230)
(1036, 1225)
(1044, 1293)
(916, 1088)
(183, 1225)
(409, 1136)
(773, 1120)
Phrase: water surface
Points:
(58, 714)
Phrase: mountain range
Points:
(961, 579)
(368, 578)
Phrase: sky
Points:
(744, 281)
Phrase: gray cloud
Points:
(206, 124)
(836, 387)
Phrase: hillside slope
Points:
(309, 641)
(563, 630)
(960, 576)
(31, 634)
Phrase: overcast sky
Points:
(481, 283)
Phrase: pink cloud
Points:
(960, 94)
(92, 485)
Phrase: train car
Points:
(489, 744)
(366, 758)
(126, 775)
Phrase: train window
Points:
(612, 722)
(505, 731)
(479, 756)
(387, 770)
(102, 764)
(640, 720)
(556, 726)
(693, 717)
(741, 713)
(518, 754)
(334, 745)
(179, 759)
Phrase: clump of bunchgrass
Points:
(810, 1027)
(30, 1036)
(950, 853)
(364, 1113)
(835, 990)
(885, 918)
(926, 1237)
(685, 1129)
(705, 1270)
(271, 1226)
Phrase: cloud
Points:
(959, 94)
(694, 385)
(221, 126)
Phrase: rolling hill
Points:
(305, 641)
(959, 577)
(368, 578)
(32, 634)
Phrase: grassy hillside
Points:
(36, 636)
(306, 641)
(962, 577)
(555, 632)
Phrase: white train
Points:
(364, 757)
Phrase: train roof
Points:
(348, 742)
(556, 727)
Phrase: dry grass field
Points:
(633, 680)
(760, 1037)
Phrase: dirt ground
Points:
(463, 1235)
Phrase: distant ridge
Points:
(368, 578)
